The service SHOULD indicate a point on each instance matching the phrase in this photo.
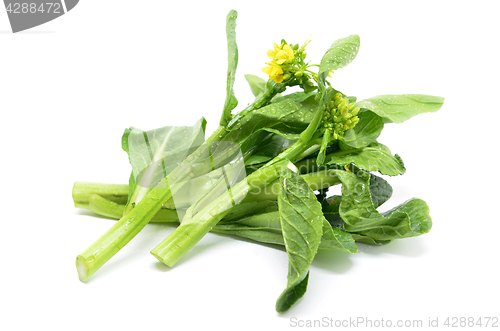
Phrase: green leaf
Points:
(232, 62)
(410, 219)
(286, 117)
(324, 144)
(380, 190)
(302, 225)
(369, 241)
(257, 84)
(341, 53)
(269, 147)
(365, 132)
(330, 207)
(399, 108)
(374, 157)
(335, 239)
(249, 209)
(260, 221)
(154, 154)
(295, 97)
(419, 222)
(292, 294)
(265, 236)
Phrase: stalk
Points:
(82, 191)
(105, 207)
(190, 232)
(316, 181)
(133, 222)
(94, 257)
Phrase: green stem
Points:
(105, 207)
(311, 165)
(190, 232)
(94, 257)
(264, 99)
(316, 181)
(292, 153)
(82, 191)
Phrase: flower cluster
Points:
(280, 57)
(288, 64)
(340, 115)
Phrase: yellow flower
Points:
(286, 54)
(281, 54)
(272, 53)
(274, 71)
(330, 73)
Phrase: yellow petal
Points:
(281, 54)
(278, 79)
(277, 70)
(289, 52)
(267, 70)
(280, 61)
(271, 54)
(288, 48)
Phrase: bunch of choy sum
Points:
(256, 175)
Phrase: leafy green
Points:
(302, 225)
(418, 222)
(294, 291)
(268, 148)
(249, 209)
(380, 190)
(330, 207)
(320, 159)
(154, 154)
(360, 216)
(399, 108)
(369, 241)
(232, 62)
(243, 179)
(335, 239)
(286, 117)
(341, 53)
(374, 157)
(365, 132)
(257, 84)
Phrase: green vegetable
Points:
(232, 60)
(255, 176)
(399, 108)
(302, 225)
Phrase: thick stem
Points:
(94, 257)
(316, 181)
(82, 191)
(105, 207)
(190, 232)
(263, 100)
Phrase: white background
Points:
(70, 87)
